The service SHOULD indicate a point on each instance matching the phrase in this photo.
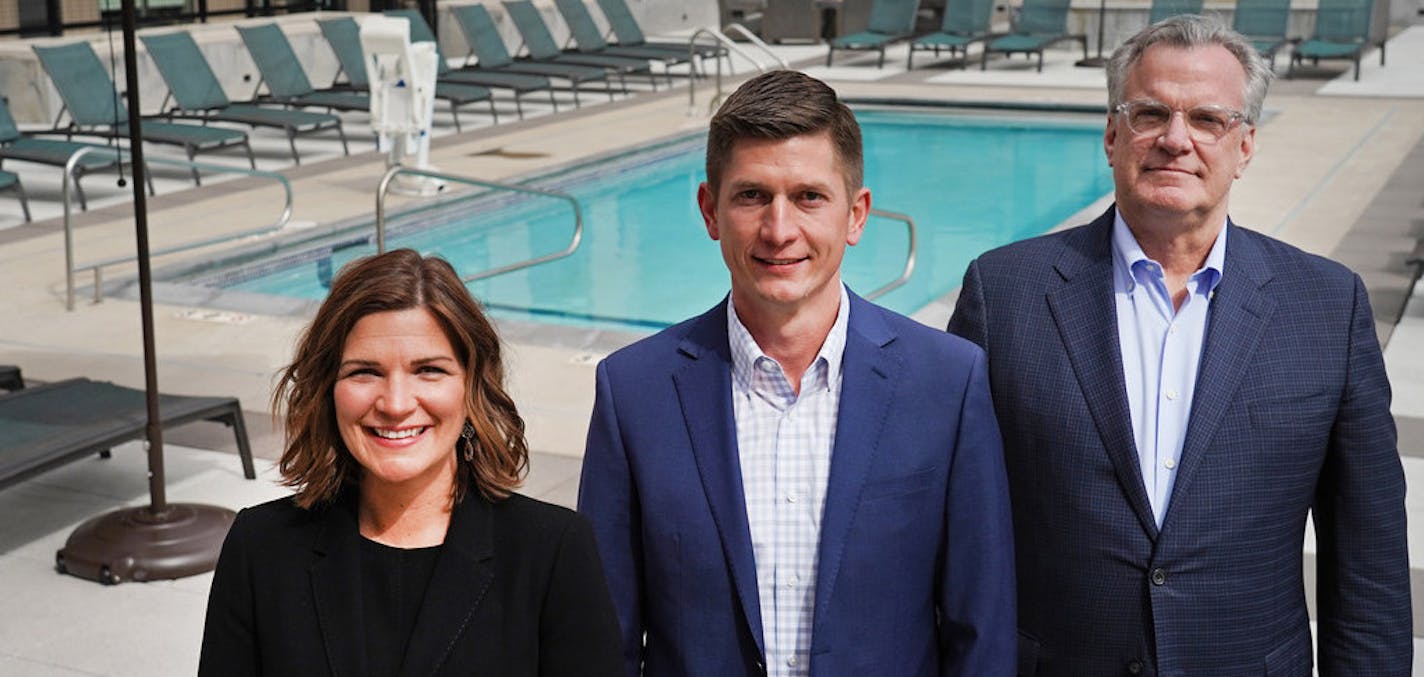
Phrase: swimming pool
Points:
(970, 183)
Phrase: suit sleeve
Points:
(608, 498)
(978, 619)
(229, 633)
(1363, 558)
(968, 318)
(578, 628)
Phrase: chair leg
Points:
(910, 61)
(518, 107)
(984, 59)
(455, 113)
(292, 141)
(881, 65)
(555, 102)
(24, 199)
(79, 190)
(1040, 61)
(251, 160)
(341, 132)
(494, 113)
(1357, 68)
(244, 449)
(197, 180)
(829, 53)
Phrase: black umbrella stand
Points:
(161, 540)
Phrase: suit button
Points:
(1159, 577)
(1134, 667)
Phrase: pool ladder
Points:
(398, 170)
(577, 237)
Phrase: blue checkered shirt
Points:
(784, 441)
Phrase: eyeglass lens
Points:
(1205, 123)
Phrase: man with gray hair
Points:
(1177, 393)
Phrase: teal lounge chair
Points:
(1264, 23)
(586, 36)
(518, 83)
(1039, 25)
(1165, 9)
(93, 105)
(196, 92)
(26, 148)
(624, 26)
(287, 83)
(11, 181)
(1342, 31)
(890, 21)
(965, 23)
(488, 48)
(542, 48)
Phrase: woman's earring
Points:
(467, 442)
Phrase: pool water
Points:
(970, 183)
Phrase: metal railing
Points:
(517, 265)
(97, 266)
(909, 258)
(732, 48)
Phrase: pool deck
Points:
(1338, 172)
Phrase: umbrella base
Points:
(138, 544)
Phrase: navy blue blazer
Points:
(915, 572)
(1291, 413)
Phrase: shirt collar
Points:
(746, 352)
(1127, 253)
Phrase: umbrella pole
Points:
(160, 540)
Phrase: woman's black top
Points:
(393, 582)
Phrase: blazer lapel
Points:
(458, 584)
(870, 370)
(1087, 323)
(336, 589)
(1240, 313)
(704, 390)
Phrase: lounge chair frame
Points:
(1342, 32)
(53, 424)
(890, 22)
(1040, 24)
(486, 45)
(965, 23)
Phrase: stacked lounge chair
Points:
(25, 148)
(586, 36)
(542, 48)
(518, 83)
(488, 48)
(1342, 31)
(93, 105)
(196, 92)
(287, 83)
(624, 26)
(965, 23)
(1264, 23)
(890, 21)
(1039, 25)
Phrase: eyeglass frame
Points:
(1234, 118)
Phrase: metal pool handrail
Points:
(732, 47)
(97, 266)
(909, 258)
(517, 265)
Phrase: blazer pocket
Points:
(1291, 411)
(1292, 658)
(914, 482)
(1028, 655)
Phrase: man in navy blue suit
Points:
(798, 481)
(1176, 393)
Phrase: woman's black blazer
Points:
(517, 590)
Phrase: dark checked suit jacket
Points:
(914, 568)
(1291, 413)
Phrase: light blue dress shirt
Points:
(1161, 349)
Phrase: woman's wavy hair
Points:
(315, 461)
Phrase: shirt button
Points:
(791, 498)
(1134, 667)
(1159, 576)
(792, 662)
(1172, 330)
(1169, 463)
(1171, 394)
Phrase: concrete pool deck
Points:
(1338, 172)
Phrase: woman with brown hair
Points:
(404, 550)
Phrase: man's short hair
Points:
(1187, 31)
(782, 104)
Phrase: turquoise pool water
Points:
(970, 183)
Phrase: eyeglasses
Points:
(1205, 124)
